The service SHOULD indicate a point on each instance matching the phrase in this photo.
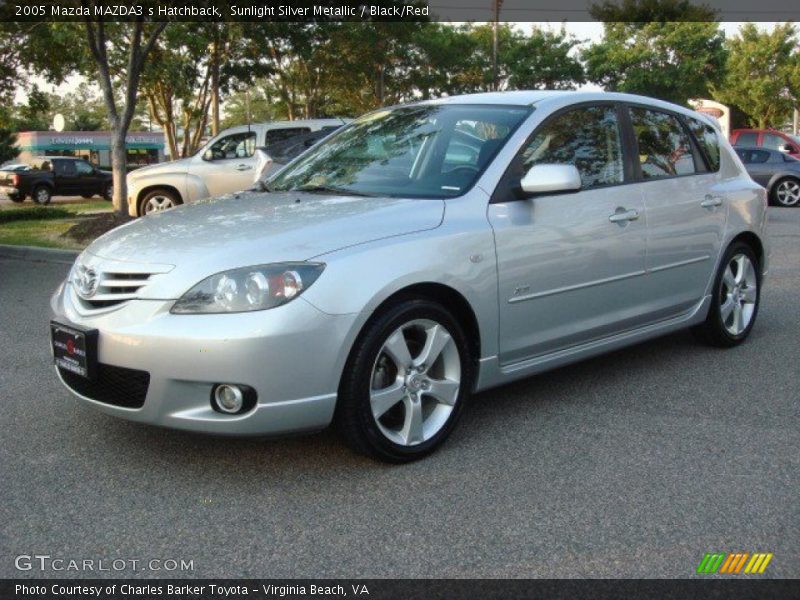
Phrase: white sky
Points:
(589, 31)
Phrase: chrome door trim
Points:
(680, 263)
(578, 286)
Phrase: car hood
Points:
(253, 228)
(173, 166)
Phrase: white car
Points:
(226, 164)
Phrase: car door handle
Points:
(711, 201)
(243, 167)
(622, 215)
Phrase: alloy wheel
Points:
(738, 294)
(158, 203)
(415, 382)
(788, 192)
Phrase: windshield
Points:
(424, 151)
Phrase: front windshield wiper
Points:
(331, 189)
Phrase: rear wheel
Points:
(405, 383)
(734, 299)
(108, 193)
(786, 192)
(158, 200)
(41, 195)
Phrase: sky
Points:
(588, 31)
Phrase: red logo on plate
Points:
(70, 347)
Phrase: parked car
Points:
(50, 176)
(271, 159)
(15, 167)
(225, 164)
(770, 139)
(776, 171)
(423, 253)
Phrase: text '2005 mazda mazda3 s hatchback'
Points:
(420, 254)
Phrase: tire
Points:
(735, 298)
(108, 192)
(42, 195)
(417, 405)
(18, 198)
(87, 196)
(158, 200)
(786, 192)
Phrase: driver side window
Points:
(237, 145)
(588, 138)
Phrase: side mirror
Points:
(550, 178)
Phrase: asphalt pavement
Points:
(634, 464)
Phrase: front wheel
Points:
(17, 198)
(157, 201)
(734, 299)
(405, 383)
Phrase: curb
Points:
(33, 253)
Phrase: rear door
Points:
(685, 198)
(568, 274)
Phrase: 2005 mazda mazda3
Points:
(420, 254)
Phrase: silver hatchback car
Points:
(420, 254)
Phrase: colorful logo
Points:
(732, 563)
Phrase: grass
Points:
(29, 224)
(44, 233)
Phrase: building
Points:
(715, 110)
(95, 146)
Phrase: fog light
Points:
(229, 398)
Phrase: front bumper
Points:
(8, 190)
(290, 355)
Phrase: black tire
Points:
(108, 192)
(714, 331)
(18, 198)
(773, 194)
(87, 196)
(42, 195)
(354, 419)
(174, 198)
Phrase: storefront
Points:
(143, 148)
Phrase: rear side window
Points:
(706, 136)
(774, 142)
(64, 167)
(278, 135)
(747, 138)
(664, 146)
(588, 138)
(759, 156)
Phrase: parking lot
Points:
(634, 464)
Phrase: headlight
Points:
(249, 288)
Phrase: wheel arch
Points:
(755, 243)
(778, 177)
(153, 187)
(443, 294)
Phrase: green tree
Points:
(35, 115)
(763, 74)
(8, 147)
(544, 59)
(656, 49)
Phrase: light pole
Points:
(496, 4)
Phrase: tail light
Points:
(15, 180)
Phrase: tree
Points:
(657, 49)
(35, 114)
(8, 147)
(119, 52)
(544, 59)
(763, 75)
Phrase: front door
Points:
(568, 264)
(229, 164)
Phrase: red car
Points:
(767, 138)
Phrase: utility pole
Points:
(497, 4)
(215, 51)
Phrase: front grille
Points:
(115, 288)
(112, 385)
